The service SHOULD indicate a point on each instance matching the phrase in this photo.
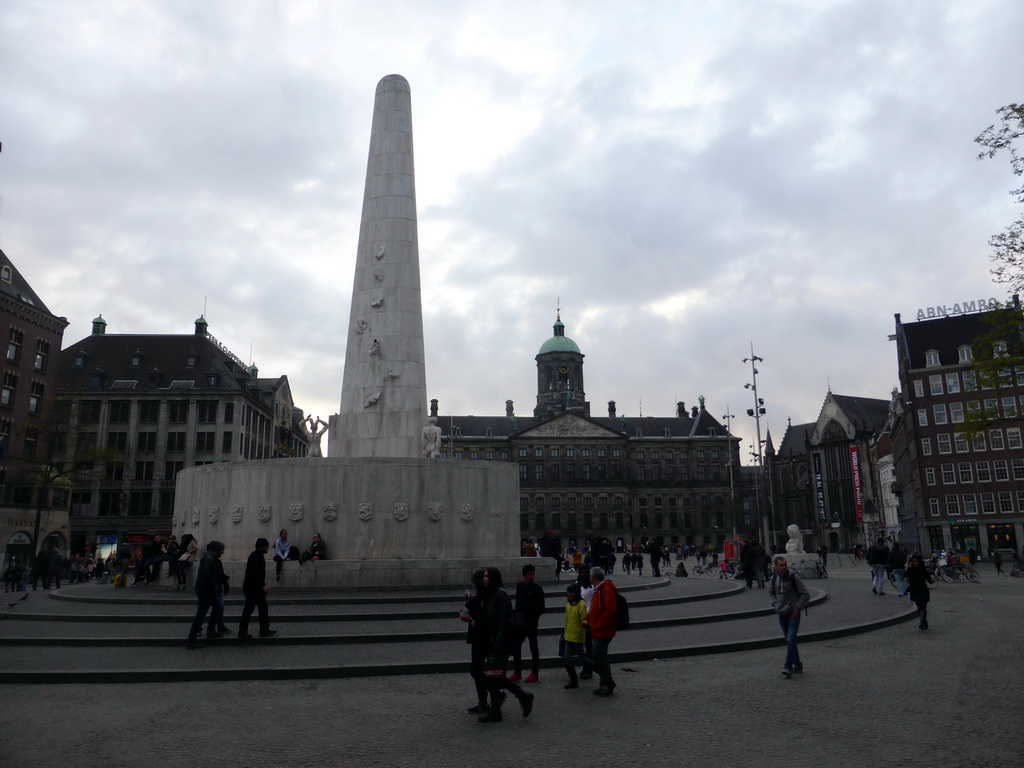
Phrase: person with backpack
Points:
(502, 637)
(601, 620)
(789, 597)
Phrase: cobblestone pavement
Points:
(895, 696)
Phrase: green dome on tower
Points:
(559, 342)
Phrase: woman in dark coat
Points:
(918, 579)
(476, 636)
(497, 607)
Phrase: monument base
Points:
(382, 573)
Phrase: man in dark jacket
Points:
(530, 603)
(654, 550)
(551, 547)
(41, 569)
(209, 582)
(878, 558)
(254, 587)
(897, 563)
(56, 566)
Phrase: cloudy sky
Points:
(686, 177)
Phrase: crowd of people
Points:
(497, 629)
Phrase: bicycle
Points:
(952, 574)
(706, 569)
(814, 571)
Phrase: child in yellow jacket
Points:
(575, 635)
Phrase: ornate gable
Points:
(569, 425)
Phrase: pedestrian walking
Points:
(789, 596)
(918, 578)
(209, 583)
(500, 642)
(997, 561)
(476, 637)
(601, 620)
(575, 634)
(254, 588)
(897, 562)
(878, 559)
(530, 603)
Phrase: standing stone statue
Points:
(431, 439)
(795, 545)
(315, 430)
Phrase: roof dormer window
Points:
(964, 354)
(5, 274)
(999, 349)
(931, 358)
(192, 360)
(136, 360)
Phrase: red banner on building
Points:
(855, 466)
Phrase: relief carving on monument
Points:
(380, 253)
(372, 399)
(365, 511)
(214, 515)
(401, 511)
(378, 275)
(236, 514)
(495, 513)
(434, 512)
(467, 512)
(264, 513)
(375, 348)
(195, 516)
(295, 511)
(331, 512)
(377, 303)
(361, 326)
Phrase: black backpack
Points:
(621, 612)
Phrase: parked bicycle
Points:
(959, 572)
(814, 570)
(706, 569)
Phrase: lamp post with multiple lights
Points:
(758, 455)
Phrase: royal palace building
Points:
(674, 479)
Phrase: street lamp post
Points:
(757, 412)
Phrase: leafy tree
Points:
(1008, 245)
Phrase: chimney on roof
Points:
(680, 410)
(510, 410)
(693, 412)
(611, 409)
(433, 407)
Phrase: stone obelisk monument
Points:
(391, 513)
(384, 391)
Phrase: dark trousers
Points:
(293, 554)
(478, 655)
(207, 600)
(51, 576)
(601, 664)
(496, 684)
(517, 654)
(258, 601)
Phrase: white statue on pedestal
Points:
(314, 431)
(431, 439)
(795, 545)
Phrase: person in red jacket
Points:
(601, 621)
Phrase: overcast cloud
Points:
(688, 177)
